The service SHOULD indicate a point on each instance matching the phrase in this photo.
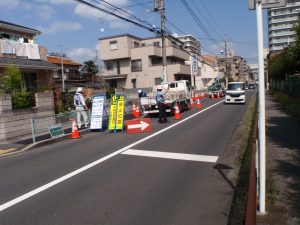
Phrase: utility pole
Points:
(62, 69)
(225, 54)
(159, 6)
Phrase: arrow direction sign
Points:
(138, 125)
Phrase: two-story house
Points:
(17, 47)
(133, 62)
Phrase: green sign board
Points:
(56, 131)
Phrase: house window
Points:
(29, 81)
(157, 81)
(156, 61)
(156, 43)
(133, 81)
(136, 65)
(109, 66)
(113, 45)
(136, 44)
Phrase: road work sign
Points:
(116, 114)
(138, 125)
(97, 112)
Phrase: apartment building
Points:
(133, 62)
(280, 23)
(191, 43)
(17, 47)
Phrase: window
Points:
(157, 81)
(156, 61)
(109, 66)
(156, 43)
(133, 81)
(136, 65)
(136, 44)
(29, 81)
(113, 45)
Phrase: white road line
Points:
(172, 155)
(84, 168)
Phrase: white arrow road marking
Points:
(141, 125)
(171, 155)
(95, 163)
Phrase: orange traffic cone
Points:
(75, 134)
(137, 112)
(177, 113)
(133, 111)
(212, 96)
(199, 106)
(192, 103)
(218, 95)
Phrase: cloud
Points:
(82, 54)
(44, 12)
(12, 3)
(58, 26)
(56, 2)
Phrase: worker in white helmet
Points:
(80, 108)
(160, 100)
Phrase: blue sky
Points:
(77, 27)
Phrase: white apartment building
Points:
(209, 71)
(133, 62)
(191, 43)
(280, 24)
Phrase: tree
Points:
(89, 70)
(11, 81)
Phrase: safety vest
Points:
(78, 99)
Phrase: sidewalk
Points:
(283, 167)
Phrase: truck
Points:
(179, 93)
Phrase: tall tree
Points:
(89, 70)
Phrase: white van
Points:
(235, 92)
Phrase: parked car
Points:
(215, 90)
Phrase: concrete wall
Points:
(17, 123)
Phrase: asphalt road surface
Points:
(164, 177)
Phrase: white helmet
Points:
(79, 89)
(139, 91)
(159, 87)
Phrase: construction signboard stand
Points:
(116, 115)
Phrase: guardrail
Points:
(252, 189)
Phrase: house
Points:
(71, 71)
(209, 71)
(133, 62)
(17, 47)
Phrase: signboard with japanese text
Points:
(97, 112)
(116, 115)
(56, 131)
(194, 65)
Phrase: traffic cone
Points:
(177, 113)
(212, 96)
(218, 95)
(137, 112)
(192, 103)
(199, 106)
(75, 134)
(133, 111)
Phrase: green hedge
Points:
(23, 100)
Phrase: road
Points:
(126, 179)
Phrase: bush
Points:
(23, 100)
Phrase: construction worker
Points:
(160, 100)
(80, 108)
(141, 93)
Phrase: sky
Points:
(75, 28)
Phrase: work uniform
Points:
(80, 106)
(160, 100)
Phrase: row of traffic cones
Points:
(136, 110)
(177, 111)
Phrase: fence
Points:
(40, 125)
(291, 87)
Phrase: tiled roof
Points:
(27, 63)
(57, 61)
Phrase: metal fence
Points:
(291, 87)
